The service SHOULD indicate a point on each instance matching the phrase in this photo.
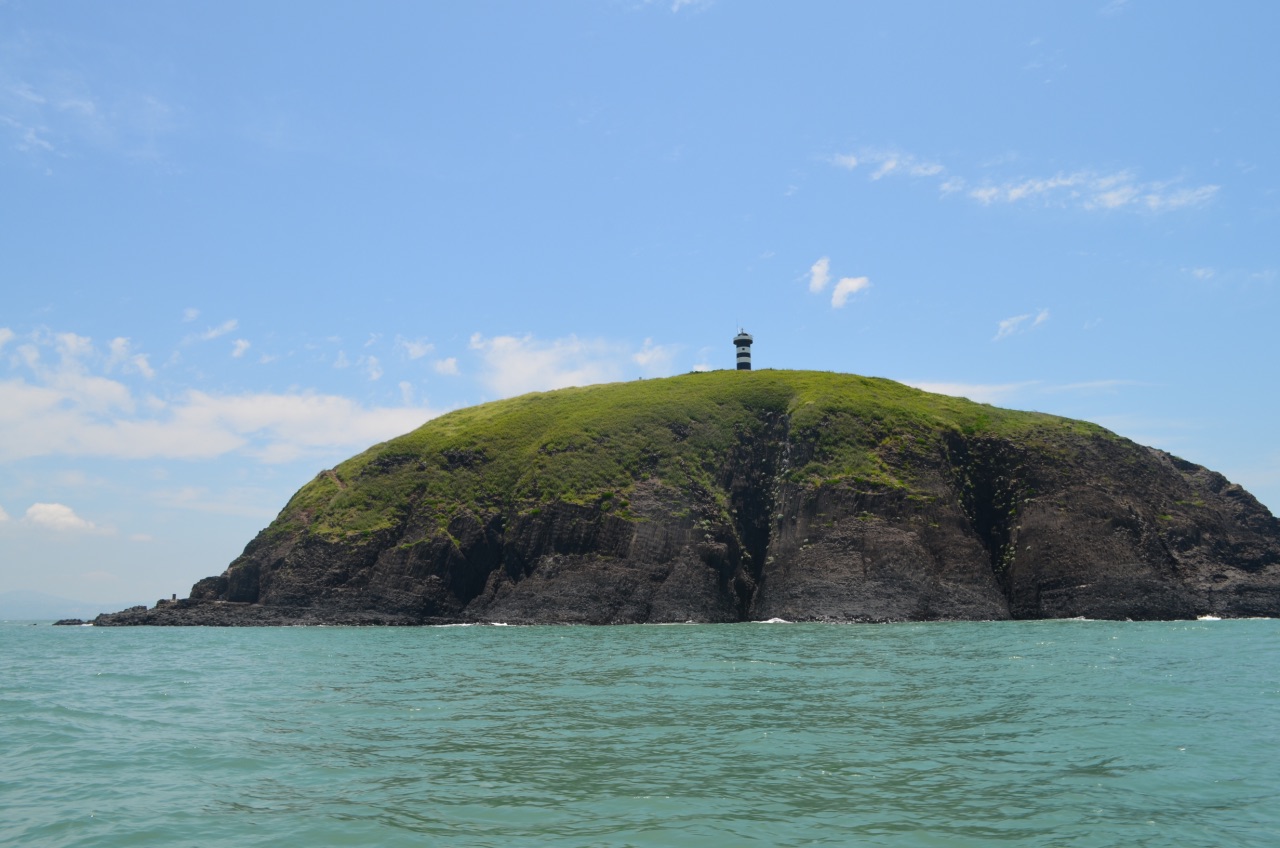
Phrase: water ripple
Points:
(1019, 733)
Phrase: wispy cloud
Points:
(1092, 190)
(847, 288)
(414, 348)
(887, 162)
(1083, 188)
(56, 112)
(238, 348)
(215, 332)
(979, 392)
(997, 393)
(681, 5)
(190, 314)
(655, 359)
(447, 366)
(123, 356)
(1095, 386)
(241, 501)
(1020, 324)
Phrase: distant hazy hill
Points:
(736, 495)
(24, 604)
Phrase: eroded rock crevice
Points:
(987, 479)
(749, 479)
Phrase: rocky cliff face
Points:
(796, 496)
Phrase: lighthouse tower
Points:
(742, 342)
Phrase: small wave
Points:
(1208, 618)
(773, 621)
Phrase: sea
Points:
(1048, 733)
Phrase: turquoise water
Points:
(1065, 733)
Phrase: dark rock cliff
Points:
(1034, 518)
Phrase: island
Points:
(745, 495)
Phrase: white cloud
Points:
(515, 365)
(220, 330)
(406, 392)
(447, 366)
(415, 348)
(1201, 273)
(4, 516)
(6, 336)
(1019, 324)
(238, 347)
(65, 410)
(820, 274)
(341, 361)
(845, 160)
(60, 518)
(190, 314)
(372, 367)
(846, 288)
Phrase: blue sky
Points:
(243, 241)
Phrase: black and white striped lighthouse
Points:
(742, 342)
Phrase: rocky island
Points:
(748, 495)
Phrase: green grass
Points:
(593, 444)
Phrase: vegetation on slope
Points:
(594, 444)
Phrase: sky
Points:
(242, 241)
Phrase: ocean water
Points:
(1062, 733)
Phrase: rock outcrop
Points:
(733, 496)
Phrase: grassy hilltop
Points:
(593, 444)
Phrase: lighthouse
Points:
(742, 342)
